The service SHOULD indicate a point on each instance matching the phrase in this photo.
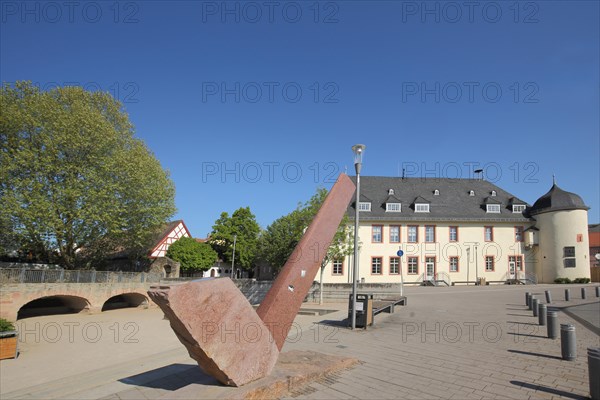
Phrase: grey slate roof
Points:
(557, 199)
(452, 204)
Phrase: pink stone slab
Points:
(282, 303)
(219, 328)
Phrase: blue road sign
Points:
(400, 253)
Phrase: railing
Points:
(526, 278)
(20, 275)
(443, 277)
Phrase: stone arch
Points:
(125, 300)
(53, 305)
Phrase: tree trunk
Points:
(321, 285)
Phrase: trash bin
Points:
(364, 310)
(481, 282)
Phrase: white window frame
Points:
(376, 266)
(493, 208)
(416, 233)
(429, 234)
(455, 238)
(394, 228)
(453, 267)
(518, 208)
(393, 207)
(394, 265)
(364, 206)
(337, 264)
(422, 207)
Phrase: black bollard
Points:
(567, 294)
(542, 314)
(597, 291)
(568, 342)
(527, 294)
(535, 306)
(583, 293)
(552, 324)
(548, 297)
(530, 303)
(594, 372)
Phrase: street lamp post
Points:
(468, 263)
(358, 150)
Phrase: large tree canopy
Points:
(243, 226)
(281, 237)
(73, 178)
(193, 255)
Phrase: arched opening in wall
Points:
(53, 305)
(212, 273)
(167, 270)
(125, 300)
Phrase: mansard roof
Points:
(452, 204)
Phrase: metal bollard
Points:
(567, 294)
(548, 297)
(535, 306)
(542, 315)
(583, 293)
(597, 291)
(552, 324)
(530, 303)
(594, 372)
(527, 295)
(568, 342)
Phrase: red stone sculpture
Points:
(219, 327)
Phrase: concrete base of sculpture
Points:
(219, 328)
(293, 370)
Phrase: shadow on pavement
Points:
(528, 353)
(548, 390)
(171, 377)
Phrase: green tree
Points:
(243, 226)
(193, 255)
(281, 237)
(74, 181)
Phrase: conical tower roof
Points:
(557, 200)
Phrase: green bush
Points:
(582, 280)
(6, 326)
(562, 280)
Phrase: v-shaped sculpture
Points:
(219, 327)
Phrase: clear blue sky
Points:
(257, 104)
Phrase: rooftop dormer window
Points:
(364, 206)
(493, 208)
(390, 192)
(422, 207)
(518, 208)
(436, 192)
(393, 207)
(493, 193)
(471, 193)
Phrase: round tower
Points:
(562, 220)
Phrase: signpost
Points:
(400, 253)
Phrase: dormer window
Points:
(493, 193)
(390, 192)
(493, 208)
(393, 207)
(421, 207)
(364, 206)
(518, 208)
(436, 192)
(471, 193)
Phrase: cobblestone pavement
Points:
(452, 342)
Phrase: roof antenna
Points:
(553, 179)
(403, 170)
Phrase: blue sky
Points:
(258, 103)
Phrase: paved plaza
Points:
(451, 342)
